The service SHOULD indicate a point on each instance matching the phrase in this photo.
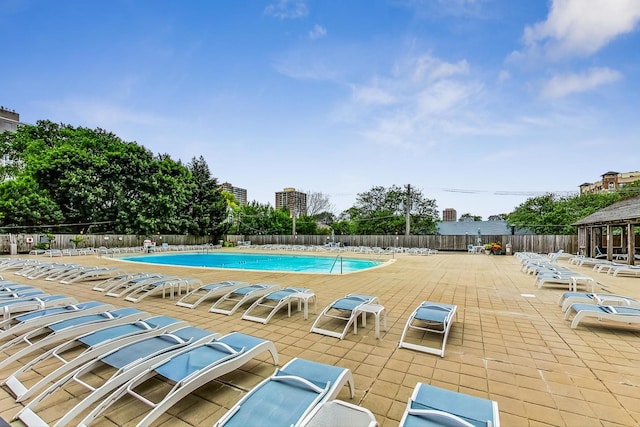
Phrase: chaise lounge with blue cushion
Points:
(343, 309)
(289, 395)
(431, 406)
(619, 314)
(430, 317)
(188, 370)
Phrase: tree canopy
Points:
(68, 179)
(552, 214)
(383, 211)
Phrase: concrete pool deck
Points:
(510, 343)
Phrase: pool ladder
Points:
(334, 264)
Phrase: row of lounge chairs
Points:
(138, 349)
(579, 306)
(590, 305)
(335, 247)
(548, 272)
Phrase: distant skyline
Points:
(480, 104)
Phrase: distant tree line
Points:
(57, 178)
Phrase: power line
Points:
(56, 225)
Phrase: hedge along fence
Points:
(519, 243)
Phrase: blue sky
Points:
(478, 103)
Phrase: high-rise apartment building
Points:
(9, 120)
(239, 193)
(449, 214)
(294, 200)
(610, 181)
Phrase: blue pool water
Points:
(262, 262)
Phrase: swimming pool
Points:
(261, 262)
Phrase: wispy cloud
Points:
(566, 84)
(420, 100)
(287, 9)
(317, 32)
(580, 27)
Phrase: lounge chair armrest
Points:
(431, 413)
(302, 381)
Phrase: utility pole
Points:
(407, 206)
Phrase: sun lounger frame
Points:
(18, 325)
(267, 302)
(210, 290)
(454, 407)
(192, 381)
(291, 372)
(175, 341)
(147, 327)
(430, 324)
(241, 296)
(342, 314)
(76, 327)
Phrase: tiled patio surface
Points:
(510, 343)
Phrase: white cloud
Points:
(287, 9)
(566, 84)
(421, 101)
(581, 27)
(433, 68)
(317, 32)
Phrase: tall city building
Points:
(294, 200)
(239, 193)
(449, 214)
(9, 120)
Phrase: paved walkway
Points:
(510, 343)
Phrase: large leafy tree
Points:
(77, 179)
(553, 214)
(383, 211)
(208, 207)
(258, 218)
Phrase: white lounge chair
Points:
(116, 367)
(95, 344)
(22, 323)
(190, 369)
(115, 281)
(627, 270)
(233, 300)
(35, 302)
(620, 314)
(53, 333)
(15, 294)
(211, 290)
(343, 309)
(263, 309)
(431, 406)
(429, 317)
(90, 273)
(338, 413)
(124, 288)
(173, 285)
(289, 395)
(567, 299)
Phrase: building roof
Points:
(623, 212)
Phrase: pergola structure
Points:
(623, 215)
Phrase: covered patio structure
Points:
(601, 229)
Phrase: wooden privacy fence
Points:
(26, 242)
(519, 243)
